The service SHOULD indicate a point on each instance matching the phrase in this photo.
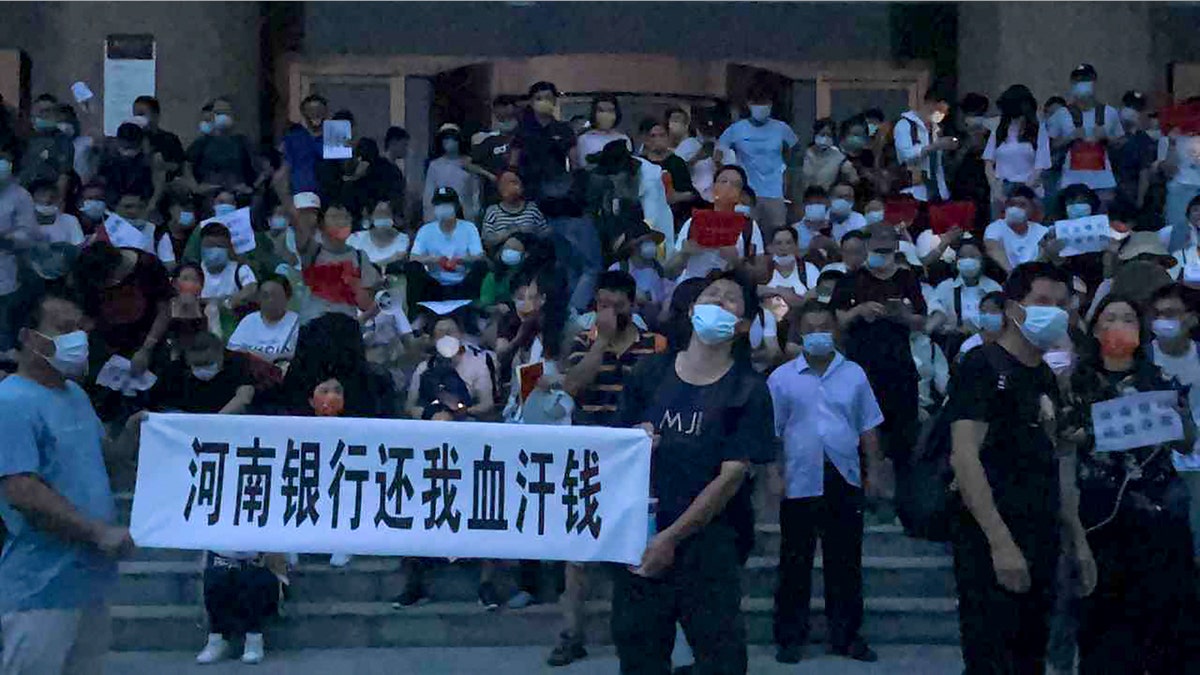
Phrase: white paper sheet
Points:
(1136, 421)
(336, 137)
(1084, 235)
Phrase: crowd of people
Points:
(826, 339)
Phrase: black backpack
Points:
(928, 500)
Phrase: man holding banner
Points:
(711, 417)
(60, 558)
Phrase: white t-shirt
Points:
(1061, 124)
(594, 141)
(1016, 160)
(380, 256)
(1187, 152)
(224, 283)
(1017, 248)
(854, 221)
(1186, 369)
(461, 242)
(969, 297)
(273, 342)
(707, 260)
(64, 230)
(704, 172)
(792, 281)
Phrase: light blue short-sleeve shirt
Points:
(463, 241)
(759, 150)
(819, 416)
(53, 434)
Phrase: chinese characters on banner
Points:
(392, 487)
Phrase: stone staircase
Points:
(908, 586)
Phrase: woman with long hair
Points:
(1141, 616)
(1018, 151)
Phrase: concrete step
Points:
(346, 625)
(379, 579)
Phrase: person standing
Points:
(1079, 136)
(822, 391)
(921, 148)
(303, 147)
(599, 364)
(161, 141)
(1018, 151)
(763, 145)
(1019, 497)
(59, 558)
(542, 144)
(18, 231)
(709, 414)
(878, 307)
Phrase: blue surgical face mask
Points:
(877, 260)
(381, 222)
(450, 145)
(278, 222)
(713, 324)
(1079, 210)
(1015, 215)
(970, 267)
(648, 249)
(70, 353)
(760, 113)
(873, 217)
(214, 257)
(840, 207)
(206, 373)
(1044, 326)
(223, 209)
(206, 127)
(815, 212)
(511, 257)
(743, 209)
(991, 323)
(93, 208)
(1082, 89)
(222, 121)
(187, 218)
(1167, 329)
(444, 212)
(818, 344)
(43, 124)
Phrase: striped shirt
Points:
(596, 404)
(499, 223)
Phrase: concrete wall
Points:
(783, 31)
(205, 49)
(1037, 44)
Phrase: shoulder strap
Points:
(914, 133)
(1100, 114)
(1076, 115)
(237, 276)
(958, 305)
(747, 235)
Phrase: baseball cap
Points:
(306, 200)
(445, 195)
(1084, 71)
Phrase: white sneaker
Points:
(217, 649)
(254, 649)
(339, 560)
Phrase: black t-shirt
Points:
(179, 390)
(221, 160)
(168, 145)
(699, 427)
(123, 175)
(493, 154)
(1018, 453)
(544, 151)
(881, 346)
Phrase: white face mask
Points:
(206, 373)
(840, 207)
(760, 113)
(443, 212)
(1015, 215)
(815, 212)
(937, 116)
(649, 250)
(70, 353)
(873, 217)
(823, 141)
(381, 222)
(1083, 89)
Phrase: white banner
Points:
(392, 487)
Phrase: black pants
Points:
(239, 597)
(837, 518)
(1004, 633)
(1142, 616)
(422, 287)
(702, 591)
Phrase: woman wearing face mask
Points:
(385, 245)
(451, 168)
(860, 153)
(1018, 151)
(469, 364)
(190, 315)
(178, 211)
(208, 380)
(709, 416)
(788, 283)
(1014, 239)
(92, 209)
(507, 264)
(824, 163)
(228, 282)
(513, 214)
(676, 177)
(1141, 616)
(638, 256)
(956, 308)
(447, 259)
(605, 116)
(990, 323)
(691, 260)
(371, 178)
(340, 279)
(271, 332)
(1189, 254)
